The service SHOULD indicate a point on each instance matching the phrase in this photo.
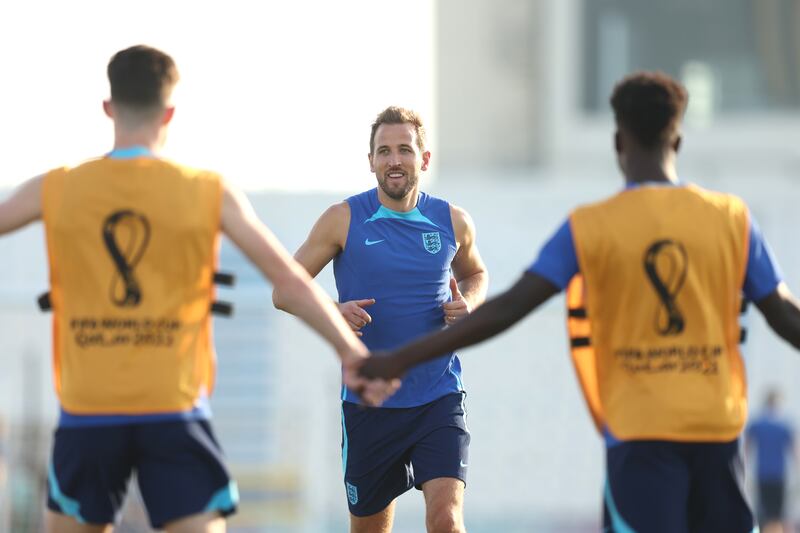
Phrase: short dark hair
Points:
(650, 106)
(142, 77)
(398, 115)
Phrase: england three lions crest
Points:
(352, 493)
(432, 242)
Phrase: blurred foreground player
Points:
(132, 241)
(655, 276)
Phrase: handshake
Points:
(375, 377)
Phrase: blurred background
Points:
(280, 98)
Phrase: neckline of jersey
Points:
(131, 152)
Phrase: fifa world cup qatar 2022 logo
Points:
(666, 263)
(126, 234)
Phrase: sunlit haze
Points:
(273, 95)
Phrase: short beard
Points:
(402, 193)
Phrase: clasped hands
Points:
(375, 377)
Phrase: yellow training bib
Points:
(132, 246)
(654, 313)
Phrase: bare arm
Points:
(323, 243)
(295, 288)
(300, 295)
(468, 267)
(22, 207)
(493, 317)
(470, 279)
(782, 311)
(326, 239)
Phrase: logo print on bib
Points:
(432, 242)
(352, 493)
(666, 263)
(126, 235)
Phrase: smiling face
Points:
(397, 160)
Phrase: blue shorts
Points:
(178, 466)
(676, 487)
(386, 451)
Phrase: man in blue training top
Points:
(773, 439)
(405, 264)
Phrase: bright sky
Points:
(275, 95)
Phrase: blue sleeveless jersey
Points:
(402, 260)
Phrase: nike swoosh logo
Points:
(463, 464)
(370, 243)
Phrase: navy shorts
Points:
(675, 487)
(386, 451)
(771, 496)
(178, 467)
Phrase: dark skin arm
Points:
(782, 311)
(780, 308)
(493, 317)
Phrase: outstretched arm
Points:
(493, 317)
(299, 293)
(782, 311)
(22, 207)
(325, 241)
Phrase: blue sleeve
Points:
(557, 261)
(763, 274)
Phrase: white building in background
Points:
(524, 84)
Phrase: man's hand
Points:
(373, 391)
(354, 314)
(381, 365)
(457, 308)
